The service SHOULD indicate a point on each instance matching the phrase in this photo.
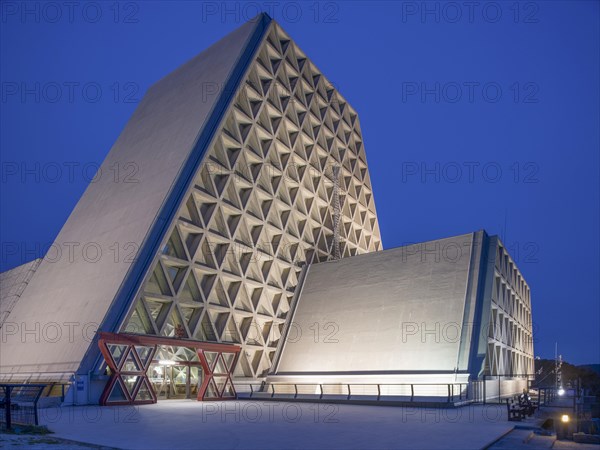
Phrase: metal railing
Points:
(545, 395)
(497, 388)
(411, 392)
(19, 403)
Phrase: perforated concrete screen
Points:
(260, 207)
(250, 165)
(510, 331)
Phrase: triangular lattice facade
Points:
(510, 330)
(261, 206)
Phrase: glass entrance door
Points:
(144, 369)
(176, 381)
(157, 374)
(195, 381)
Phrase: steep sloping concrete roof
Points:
(12, 285)
(88, 286)
(401, 310)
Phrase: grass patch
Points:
(40, 430)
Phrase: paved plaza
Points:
(184, 424)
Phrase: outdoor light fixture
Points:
(564, 418)
(561, 391)
(166, 362)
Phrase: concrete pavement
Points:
(181, 424)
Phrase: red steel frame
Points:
(131, 341)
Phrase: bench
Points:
(529, 406)
(516, 412)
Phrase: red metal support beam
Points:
(119, 371)
(139, 339)
(130, 353)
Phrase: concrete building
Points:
(251, 213)
(238, 153)
(438, 313)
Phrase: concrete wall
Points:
(391, 311)
(500, 388)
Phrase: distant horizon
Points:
(576, 365)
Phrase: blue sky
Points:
(473, 117)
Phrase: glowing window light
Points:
(166, 362)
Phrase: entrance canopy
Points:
(129, 357)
